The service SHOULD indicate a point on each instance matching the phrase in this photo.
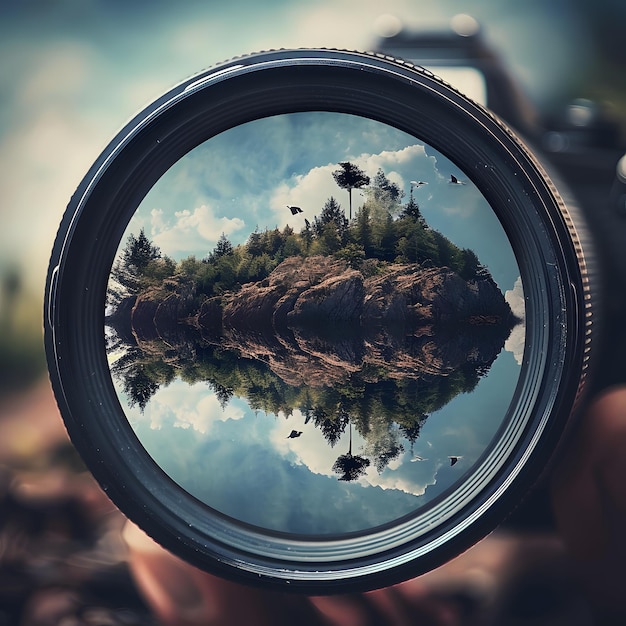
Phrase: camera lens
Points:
(316, 321)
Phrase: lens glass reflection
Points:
(314, 323)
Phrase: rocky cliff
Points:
(316, 320)
(323, 291)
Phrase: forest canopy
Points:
(383, 231)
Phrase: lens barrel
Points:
(548, 241)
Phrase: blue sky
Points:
(242, 463)
(245, 177)
(74, 71)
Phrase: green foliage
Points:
(350, 466)
(140, 251)
(412, 210)
(223, 247)
(142, 375)
(350, 176)
(384, 191)
(382, 230)
(361, 231)
(353, 254)
(137, 268)
(331, 222)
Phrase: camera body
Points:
(581, 148)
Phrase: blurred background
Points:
(72, 73)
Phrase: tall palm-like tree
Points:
(350, 466)
(350, 176)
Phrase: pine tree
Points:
(223, 247)
(384, 190)
(333, 216)
(349, 176)
(129, 270)
(254, 246)
(412, 210)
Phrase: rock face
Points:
(316, 320)
(153, 315)
(143, 316)
(322, 291)
(312, 290)
(411, 295)
(120, 320)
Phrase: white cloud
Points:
(395, 480)
(157, 222)
(517, 339)
(186, 406)
(388, 159)
(313, 451)
(190, 231)
(515, 298)
(308, 191)
(311, 190)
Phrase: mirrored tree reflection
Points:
(350, 466)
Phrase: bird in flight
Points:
(455, 181)
(293, 434)
(454, 460)
(294, 209)
(418, 183)
(418, 458)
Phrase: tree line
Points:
(382, 231)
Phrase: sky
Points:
(75, 71)
(242, 462)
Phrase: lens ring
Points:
(540, 231)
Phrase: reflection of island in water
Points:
(324, 338)
(329, 347)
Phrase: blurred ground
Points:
(62, 559)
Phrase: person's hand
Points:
(181, 595)
(589, 501)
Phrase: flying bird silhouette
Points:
(418, 183)
(293, 434)
(455, 181)
(454, 460)
(294, 209)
